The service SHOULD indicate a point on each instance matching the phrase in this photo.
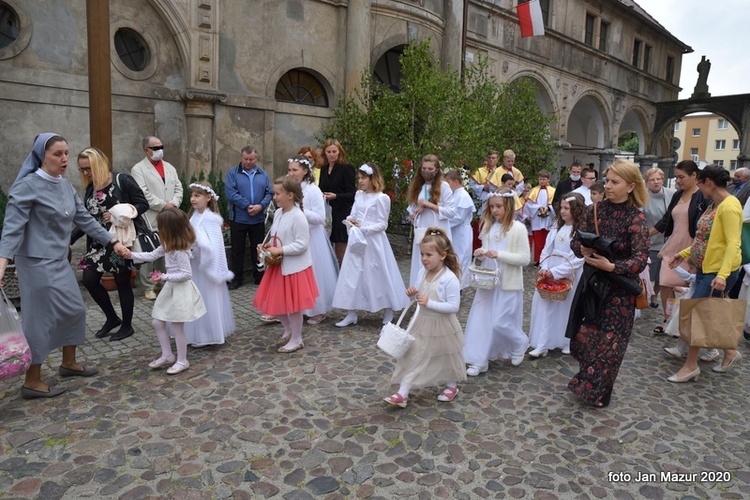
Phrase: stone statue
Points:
(701, 88)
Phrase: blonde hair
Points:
(508, 153)
(508, 217)
(654, 170)
(175, 231)
(631, 174)
(438, 237)
(212, 204)
(100, 168)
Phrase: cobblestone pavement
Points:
(246, 422)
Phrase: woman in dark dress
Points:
(599, 346)
(100, 196)
(338, 186)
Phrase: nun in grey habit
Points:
(42, 208)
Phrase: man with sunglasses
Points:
(159, 182)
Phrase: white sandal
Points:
(178, 367)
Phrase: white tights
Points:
(178, 330)
(292, 327)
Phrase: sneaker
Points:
(675, 352)
(150, 295)
(710, 355)
(538, 353)
(474, 370)
(566, 351)
(516, 359)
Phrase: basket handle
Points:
(572, 268)
(403, 313)
(477, 261)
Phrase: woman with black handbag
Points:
(599, 343)
(102, 193)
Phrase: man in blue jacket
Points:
(249, 192)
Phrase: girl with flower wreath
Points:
(210, 271)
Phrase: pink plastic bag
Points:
(15, 355)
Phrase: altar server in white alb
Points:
(463, 236)
(370, 279)
(210, 270)
(538, 210)
(494, 327)
(325, 266)
(549, 318)
(430, 205)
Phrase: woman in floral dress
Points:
(101, 195)
(600, 342)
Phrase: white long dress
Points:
(429, 218)
(494, 328)
(370, 279)
(549, 318)
(324, 263)
(210, 274)
(461, 232)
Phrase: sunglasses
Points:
(85, 170)
(155, 148)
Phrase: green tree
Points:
(434, 112)
(628, 142)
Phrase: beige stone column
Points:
(454, 23)
(199, 124)
(358, 14)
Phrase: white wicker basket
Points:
(394, 340)
(481, 278)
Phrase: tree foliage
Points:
(435, 112)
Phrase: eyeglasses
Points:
(85, 170)
(155, 148)
(590, 178)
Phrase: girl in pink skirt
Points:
(289, 288)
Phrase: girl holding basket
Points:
(505, 246)
(549, 317)
(435, 357)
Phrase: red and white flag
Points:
(530, 18)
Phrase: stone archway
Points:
(735, 108)
(634, 121)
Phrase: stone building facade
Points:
(210, 76)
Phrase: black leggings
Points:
(92, 282)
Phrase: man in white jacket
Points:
(159, 182)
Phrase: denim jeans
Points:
(703, 284)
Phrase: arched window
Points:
(132, 49)
(301, 87)
(9, 25)
(388, 68)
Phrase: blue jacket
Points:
(238, 190)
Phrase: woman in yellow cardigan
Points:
(716, 251)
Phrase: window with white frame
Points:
(696, 132)
(719, 163)
(733, 165)
(693, 151)
(676, 126)
(735, 144)
(721, 124)
(721, 145)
